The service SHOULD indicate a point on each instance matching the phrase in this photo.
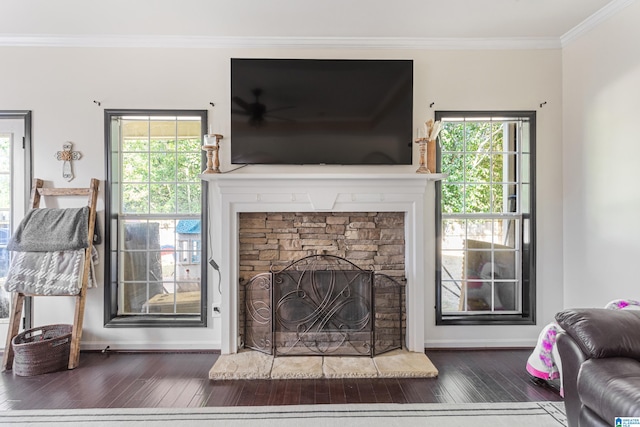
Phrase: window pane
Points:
(525, 141)
(168, 261)
(135, 198)
(526, 168)
(505, 232)
(135, 145)
(477, 167)
(506, 296)
(480, 229)
(452, 198)
(163, 167)
(504, 266)
(140, 235)
(503, 168)
(478, 295)
(189, 166)
(136, 295)
(135, 135)
(477, 262)
(497, 172)
(5, 153)
(451, 295)
(452, 165)
(189, 129)
(174, 302)
(5, 215)
(500, 198)
(477, 198)
(478, 136)
(453, 237)
(452, 136)
(498, 142)
(162, 129)
(163, 145)
(189, 198)
(190, 144)
(5, 193)
(163, 198)
(453, 234)
(135, 167)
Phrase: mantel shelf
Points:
(329, 177)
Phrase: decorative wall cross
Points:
(66, 155)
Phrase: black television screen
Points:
(321, 111)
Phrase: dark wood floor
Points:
(134, 380)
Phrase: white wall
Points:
(518, 80)
(60, 84)
(601, 83)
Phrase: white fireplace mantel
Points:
(230, 194)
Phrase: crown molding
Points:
(209, 42)
(594, 20)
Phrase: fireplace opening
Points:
(323, 305)
(372, 245)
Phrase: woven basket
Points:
(41, 350)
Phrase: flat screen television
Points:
(321, 111)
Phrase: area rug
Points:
(249, 364)
(541, 414)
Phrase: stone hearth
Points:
(249, 364)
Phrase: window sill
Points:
(178, 321)
(486, 320)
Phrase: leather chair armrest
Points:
(571, 357)
(603, 333)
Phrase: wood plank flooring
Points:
(179, 380)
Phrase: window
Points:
(485, 218)
(6, 154)
(15, 177)
(156, 203)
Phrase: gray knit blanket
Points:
(49, 273)
(49, 252)
(49, 229)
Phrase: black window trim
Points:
(528, 315)
(111, 317)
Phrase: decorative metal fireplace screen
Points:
(323, 305)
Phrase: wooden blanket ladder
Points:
(37, 192)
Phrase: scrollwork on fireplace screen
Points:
(323, 305)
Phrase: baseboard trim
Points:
(130, 347)
(434, 349)
(109, 351)
(480, 344)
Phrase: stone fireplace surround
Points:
(312, 241)
(231, 194)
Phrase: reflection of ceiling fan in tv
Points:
(257, 111)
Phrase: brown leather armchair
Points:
(600, 354)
